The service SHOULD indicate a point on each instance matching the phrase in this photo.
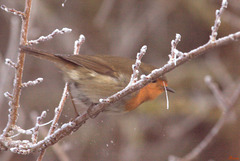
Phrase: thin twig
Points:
(217, 22)
(57, 148)
(78, 43)
(8, 95)
(32, 83)
(12, 10)
(223, 104)
(58, 112)
(37, 125)
(50, 36)
(10, 63)
(136, 66)
(174, 52)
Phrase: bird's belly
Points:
(90, 95)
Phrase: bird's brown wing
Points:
(95, 63)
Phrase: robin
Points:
(92, 77)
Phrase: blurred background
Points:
(122, 27)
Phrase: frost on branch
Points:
(63, 4)
(10, 63)
(37, 125)
(8, 95)
(50, 36)
(78, 43)
(12, 10)
(174, 52)
(217, 22)
(135, 67)
(32, 83)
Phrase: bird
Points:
(93, 77)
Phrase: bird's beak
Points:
(170, 89)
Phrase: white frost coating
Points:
(3, 7)
(144, 49)
(10, 63)
(32, 83)
(166, 95)
(11, 10)
(63, 4)
(65, 125)
(7, 95)
(44, 114)
(50, 36)
(218, 21)
(72, 124)
(143, 76)
(174, 52)
(101, 100)
(65, 29)
(178, 37)
(14, 150)
(207, 79)
(225, 3)
(135, 67)
(78, 43)
(56, 110)
(82, 38)
(104, 100)
(137, 72)
(138, 61)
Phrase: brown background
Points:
(121, 27)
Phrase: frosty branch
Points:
(55, 134)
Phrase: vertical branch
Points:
(217, 22)
(14, 104)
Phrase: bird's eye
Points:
(154, 81)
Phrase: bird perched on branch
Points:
(92, 77)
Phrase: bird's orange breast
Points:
(149, 92)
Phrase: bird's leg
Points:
(74, 106)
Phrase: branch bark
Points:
(13, 113)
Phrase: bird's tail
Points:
(57, 59)
(39, 54)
